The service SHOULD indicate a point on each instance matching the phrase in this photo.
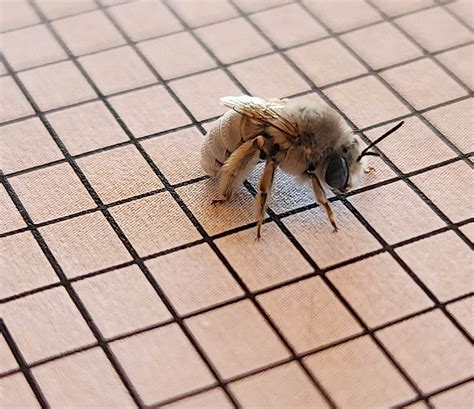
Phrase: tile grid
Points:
(453, 226)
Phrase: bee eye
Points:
(337, 172)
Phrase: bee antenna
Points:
(380, 138)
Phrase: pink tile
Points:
(269, 77)
(176, 55)
(177, 154)
(144, 356)
(463, 9)
(86, 379)
(52, 192)
(57, 85)
(117, 70)
(7, 360)
(281, 261)
(10, 218)
(435, 29)
(86, 127)
(89, 32)
(46, 324)
(148, 111)
(53, 9)
(379, 290)
(453, 179)
(397, 7)
(204, 12)
(308, 314)
(430, 349)
(213, 399)
(443, 262)
(17, 106)
(313, 231)
(237, 339)
(24, 265)
(366, 101)
(376, 44)
(3, 70)
(459, 397)
(144, 19)
(340, 370)
(341, 15)
(18, 14)
(468, 230)
(285, 386)
(233, 40)
(462, 311)
(121, 301)
(289, 25)
(119, 173)
(252, 6)
(459, 61)
(84, 244)
(16, 392)
(30, 47)
(326, 62)
(26, 144)
(194, 278)
(392, 209)
(154, 224)
(423, 84)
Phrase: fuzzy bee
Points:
(307, 140)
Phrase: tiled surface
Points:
(98, 300)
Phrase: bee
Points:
(304, 139)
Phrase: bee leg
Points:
(321, 198)
(265, 187)
(369, 169)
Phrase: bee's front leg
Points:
(322, 200)
(265, 187)
(369, 169)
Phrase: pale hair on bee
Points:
(308, 140)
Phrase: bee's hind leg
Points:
(265, 187)
(322, 200)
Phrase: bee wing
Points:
(269, 111)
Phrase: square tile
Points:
(7, 360)
(252, 6)
(215, 398)
(430, 149)
(435, 29)
(17, 106)
(376, 45)
(24, 265)
(198, 197)
(462, 311)
(322, 319)
(204, 12)
(285, 386)
(237, 339)
(10, 217)
(288, 25)
(57, 85)
(233, 40)
(342, 15)
(177, 154)
(459, 61)
(46, 324)
(379, 290)
(455, 122)
(119, 173)
(430, 349)
(194, 278)
(86, 127)
(16, 392)
(366, 101)
(269, 77)
(326, 62)
(86, 379)
(89, 32)
(313, 231)
(30, 47)
(3, 70)
(26, 144)
(176, 55)
(149, 111)
(154, 224)
(121, 301)
(52, 192)
(422, 83)
(453, 179)
(84, 244)
(396, 212)
(269, 261)
(117, 70)
(144, 19)
(341, 369)
(16, 14)
(443, 262)
(201, 93)
(144, 356)
(463, 9)
(397, 7)
(458, 397)
(53, 9)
